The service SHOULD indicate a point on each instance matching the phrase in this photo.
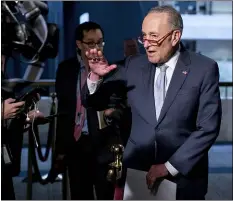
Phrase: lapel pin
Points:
(185, 72)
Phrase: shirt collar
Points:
(171, 63)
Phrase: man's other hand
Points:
(35, 115)
(11, 108)
(155, 172)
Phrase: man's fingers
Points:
(12, 115)
(98, 63)
(10, 100)
(95, 53)
(92, 51)
(151, 177)
(18, 104)
(111, 67)
(14, 110)
(87, 54)
(148, 178)
(149, 174)
(39, 115)
(100, 54)
(152, 181)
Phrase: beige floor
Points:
(220, 178)
(220, 188)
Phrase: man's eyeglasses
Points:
(93, 44)
(142, 39)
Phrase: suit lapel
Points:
(148, 75)
(76, 73)
(179, 75)
(73, 80)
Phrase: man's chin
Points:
(153, 60)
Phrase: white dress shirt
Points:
(171, 63)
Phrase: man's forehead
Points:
(157, 16)
(92, 33)
(156, 20)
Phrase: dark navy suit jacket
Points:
(189, 121)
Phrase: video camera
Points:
(28, 38)
(25, 31)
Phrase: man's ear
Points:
(176, 37)
(78, 44)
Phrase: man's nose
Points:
(146, 44)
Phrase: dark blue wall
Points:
(119, 20)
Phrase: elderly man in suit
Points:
(175, 104)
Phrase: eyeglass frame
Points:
(156, 42)
(100, 44)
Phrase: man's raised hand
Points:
(98, 64)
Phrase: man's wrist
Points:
(94, 77)
(172, 170)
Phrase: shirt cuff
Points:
(92, 85)
(173, 171)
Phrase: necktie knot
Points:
(163, 68)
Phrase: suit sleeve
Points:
(208, 125)
(112, 85)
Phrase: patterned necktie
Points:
(160, 89)
(80, 110)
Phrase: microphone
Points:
(32, 12)
(42, 6)
(32, 9)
